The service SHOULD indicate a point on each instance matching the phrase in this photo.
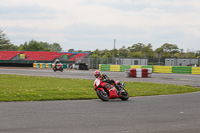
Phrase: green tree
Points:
(123, 52)
(33, 46)
(171, 48)
(141, 50)
(167, 50)
(10, 47)
(190, 54)
(96, 53)
(136, 54)
(71, 50)
(147, 50)
(5, 43)
(159, 52)
(3, 38)
(55, 47)
(23, 47)
(136, 47)
(39, 46)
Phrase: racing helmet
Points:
(57, 61)
(97, 73)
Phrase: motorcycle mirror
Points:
(123, 84)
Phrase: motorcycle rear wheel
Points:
(103, 95)
(125, 96)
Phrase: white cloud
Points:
(85, 23)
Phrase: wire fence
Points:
(93, 63)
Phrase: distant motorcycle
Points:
(106, 91)
(58, 67)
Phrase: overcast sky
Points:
(94, 24)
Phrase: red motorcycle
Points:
(106, 91)
(58, 67)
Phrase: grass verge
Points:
(34, 88)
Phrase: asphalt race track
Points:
(179, 79)
(152, 114)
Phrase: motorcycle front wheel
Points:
(54, 69)
(125, 95)
(103, 95)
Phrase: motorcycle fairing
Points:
(111, 89)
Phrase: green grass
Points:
(34, 88)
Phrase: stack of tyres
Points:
(138, 73)
(37, 65)
(144, 72)
(43, 65)
(50, 65)
(47, 65)
(127, 72)
(132, 72)
(64, 65)
(149, 72)
(34, 65)
(53, 65)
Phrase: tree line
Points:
(138, 50)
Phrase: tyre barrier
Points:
(139, 72)
(195, 70)
(120, 68)
(79, 66)
(41, 65)
(46, 65)
(154, 69)
(162, 69)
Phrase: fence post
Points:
(131, 61)
(97, 63)
(92, 63)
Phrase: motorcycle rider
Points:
(56, 62)
(106, 79)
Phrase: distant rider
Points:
(56, 62)
(106, 79)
